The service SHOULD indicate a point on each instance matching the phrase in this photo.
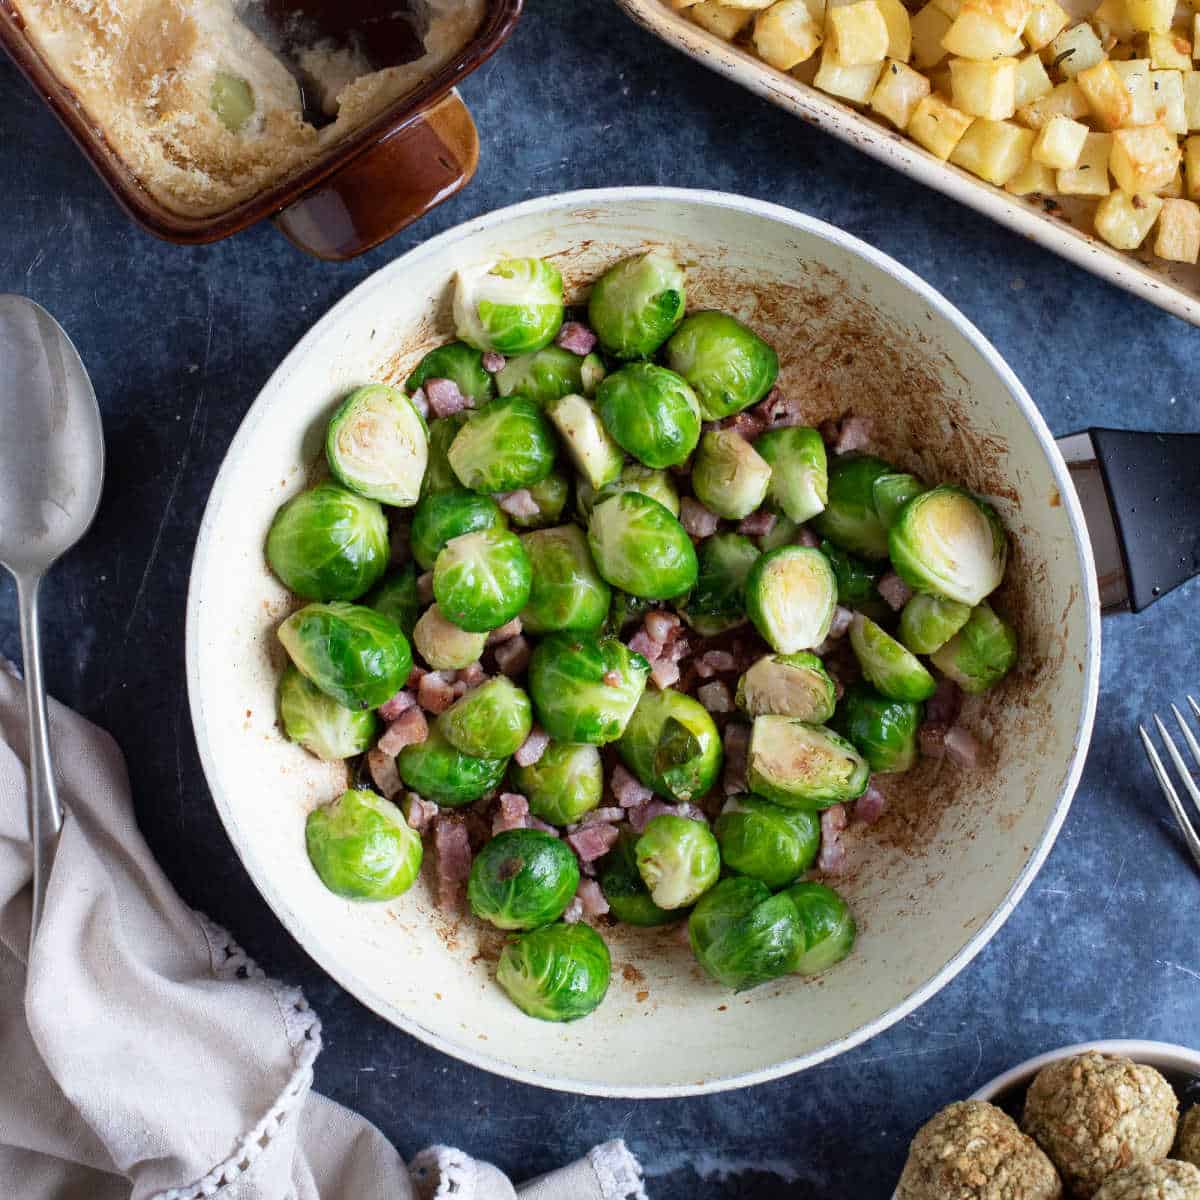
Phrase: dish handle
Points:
(389, 185)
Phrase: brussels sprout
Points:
(490, 721)
(543, 376)
(827, 925)
(743, 936)
(718, 601)
(950, 543)
(849, 519)
(461, 363)
(505, 445)
(564, 785)
(591, 374)
(651, 412)
(443, 516)
(928, 622)
(443, 645)
(766, 841)
(803, 766)
(883, 731)
(636, 304)
(729, 366)
(788, 685)
(436, 770)
(567, 592)
(377, 445)
(625, 609)
(329, 544)
(678, 860)
(597, 458)
(585, 689)
(482, 580)
(640, 548)
(895, 672)
(514, 307)
(799, 470)
(319, 723)
(362, 848)
(981, 653)
(627, 895)
(550, 495)
(522, 878)
(396, 597)
(790, 596)
(729, 476)
(354, 654)
(439, 475)
(556, 973)
(232, 99)
(856, 578)
(672, 745)
(892, 492)
(658, 485)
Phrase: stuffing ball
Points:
(1166, 1180)
(1187, 1144)
(973, 1151)
(1095, 1114)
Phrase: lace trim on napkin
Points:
(441, 1172)
(619, 1173)
(303, 1028)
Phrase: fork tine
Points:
(1168, 788)
(1195, 707)
(1185, 773)
(1188, 737)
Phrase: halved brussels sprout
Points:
(232, 99)
(799, 470)
(636, 304)
(729, 366)
(522, 879)
(788, 685)
(597, 458)
(585, 689)
(981, 653)
(849, 519)
(436, 770)
(672, 745)
(567, 592)
(439, 475)
(514, 307)
(319, 723)
(490, 721)
(928, 622)
(505, 445)
(543, 376)
(377, 445)
(482, 580)
(591, 374)
(790, 596)
(445, 515)
(892, 492)
(564, 785)
(627, 894)
(718, 601)
(329, 544)
(803, 766)
(443, 645)
(784, 532)
(883, 731)
(651, 412)
(827, 924)
(461, 363)
(550, 495)
(895, 671)
(743, 936)
(396, 597)
(658, 485)
(766, 841)
(856, 578)
(556, 973)
(678, 860)
(362, 848)
(729, 476)
(950, 543)
(639, 547)
(354, 654)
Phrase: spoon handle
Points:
(45, 811)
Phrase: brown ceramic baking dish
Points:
(349, 198)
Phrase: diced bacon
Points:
(535, 823)
(757, 524)
(715, 697)
(459, 688)
(692, 812)
(611, 678)
(425, 588)
(748, 424)
(737, 751)
(452, 847)
(664, 673)
(854, 434)
(627, 790)
(519, 503)
(713, 661)
(832, 859)
(639, 815)
(420, 402)
(435, 692)
(419, 812)
(603, 816)
(445, 398)
(840, 625)
(573, 913)
(576, 337)
(943, 707)
(592, 898)
(699, 521)
(661, 625)
(682, 470)
(389, 710)
(533, 747)
(591, 842)
(962, 747)
(511, 813)
(870, 806)
(512, 657)
(677, 649)
(709, 426)
(659, 808)
(642, 643)
(806, 537)
(509, 629)
(894, 590)
(414, 678)
(472, 676)
(493, 361)
(407, 729)
(384, 773)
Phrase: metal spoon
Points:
(51, 470)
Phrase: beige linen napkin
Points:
(143, 1056)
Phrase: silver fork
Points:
(1164, 779)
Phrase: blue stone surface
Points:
(179, 341)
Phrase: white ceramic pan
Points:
(930, 884)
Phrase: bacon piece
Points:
(435, 692)
(748, 424)
(384, 773)
(603, 816)
(389, 710)
(709, 426)
(962, 747)
(832, 859)
(627, 790)
(512, 813)
(757, 524)
(642, 643)
(452, 848)
(894, 590)
(737, 752)
(535, 823)
(699, 521)
(519, 503)
(573, 913)
(532, 748)
(406, 730)
(664, 673)
(425, 588)
(414, 678)
(639, 815)
(854, 434)
(806, 537)
(493, 361)
(420, 402)
(445, 398)
(419, 812)
(509, 629)
(592, 898)
(870, 806)
(512, 657)
(576, 337)
(712, 661)
(661, 625)
(459, 688)
(472, 676)
(842, 620)
(943, 707)
(591, 842)
(715, 697)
